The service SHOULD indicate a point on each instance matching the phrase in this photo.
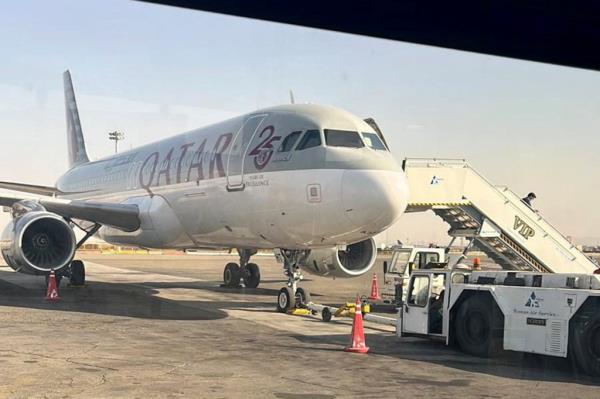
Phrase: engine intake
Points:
(355, 260)
(37, 241)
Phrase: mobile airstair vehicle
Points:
(492, 218)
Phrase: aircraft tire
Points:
(77, 277)
(302, 296)
(285, 300)
(252, 275)
(585, 343)
(232, 275)
(479, 327)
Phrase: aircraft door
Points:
(239, 149)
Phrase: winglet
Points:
(77, 153)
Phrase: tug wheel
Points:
(585, 343)
(326, 314)
(479, 326)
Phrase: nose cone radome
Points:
(374, 199)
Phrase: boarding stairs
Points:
(493, 218)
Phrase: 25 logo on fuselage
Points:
(263, 152)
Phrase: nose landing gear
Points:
(292, 296)
(247, 272)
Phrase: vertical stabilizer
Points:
(77, 153)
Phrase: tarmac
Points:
(162, 327)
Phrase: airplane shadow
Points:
(115, 299)
(138, 300)
(513, 365)
(215, 286)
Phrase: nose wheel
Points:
(292, 296)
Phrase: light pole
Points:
(116, 136)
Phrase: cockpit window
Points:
(373, 141)
(289, 141)
(343, 138)
(312, 138)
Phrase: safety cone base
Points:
(363, 349)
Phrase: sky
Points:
(152, 71)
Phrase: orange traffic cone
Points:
(374, 289)
(476, 264)
(357, 339)
(52, 292)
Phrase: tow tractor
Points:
(485, 312)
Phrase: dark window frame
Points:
(301, 145)
(294, 144)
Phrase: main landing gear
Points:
(292, 296)
(249, 273)
(75, 272)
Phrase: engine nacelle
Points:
(37, 241)
(355, 260)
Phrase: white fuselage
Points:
(233, 185)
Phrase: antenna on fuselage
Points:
(292, 100)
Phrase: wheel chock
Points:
(299, 312)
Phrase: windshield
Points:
(399, 261)
(373, 141)
(343, 138)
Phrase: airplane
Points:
(313, 183)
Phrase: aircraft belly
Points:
(291, 209)
(275, 209)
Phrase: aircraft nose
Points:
(374, 199)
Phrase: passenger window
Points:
(343, 138)
(312, 138)
(419, 291)
(373, 141)
(289, 141)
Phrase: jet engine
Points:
(356, 259)
(37, 241)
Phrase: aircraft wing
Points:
(121, 216)
(29, 188)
